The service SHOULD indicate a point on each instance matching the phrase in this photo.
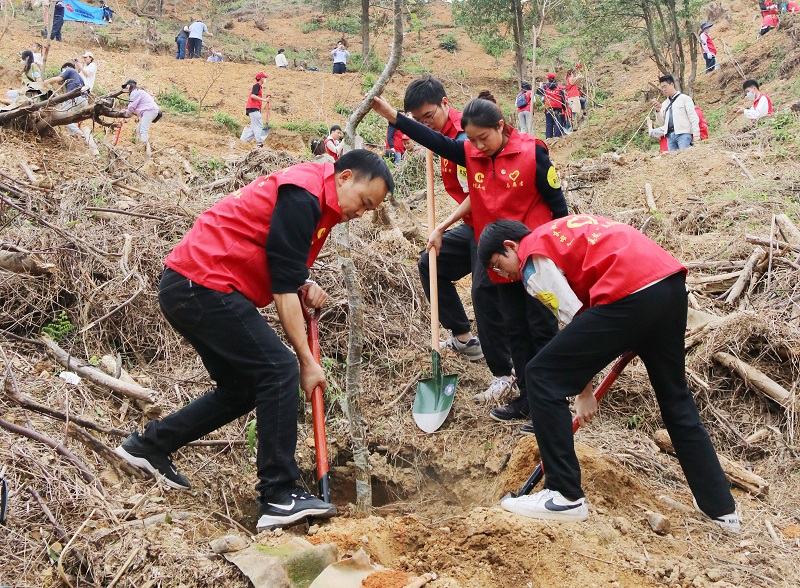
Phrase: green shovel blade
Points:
(434, 397)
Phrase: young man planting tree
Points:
(617, 291)
(427, 102)
(251, 248)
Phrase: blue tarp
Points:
(83, 13)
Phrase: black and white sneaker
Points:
(289, 507)
(151, 460)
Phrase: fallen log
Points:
(775, 243)
(737, 475)
(648, 195)
(788, 229)
(756, 379)
(9, 115)
(24, 263)
(755, 258)
(144, 397)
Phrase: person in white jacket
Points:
(677, 116)
(762, 105)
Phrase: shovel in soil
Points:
(266, 130)
(599, 392)
(434, 396)
(317, 404)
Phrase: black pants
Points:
(339, 67)
(458, 257)
(251, 367)
(652, 324)
(529, 326)
(195, 47)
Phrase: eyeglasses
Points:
(428, 117)
(497, 269)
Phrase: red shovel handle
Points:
(317, 402)
(119, 130)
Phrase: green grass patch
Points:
(349, 25)
(304, 127)
(173, 101)
(229, 122)
(448, 42)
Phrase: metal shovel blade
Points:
(265, 131)
(434, 397)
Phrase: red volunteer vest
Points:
(454, 177)
(710, 45)
(225, 250)
(506, 187)
(552, 97)
(330, 148)
(603, 260)
(572, 89)
(252, 102)
(769, 102)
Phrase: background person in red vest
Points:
(555, 103)
(762, 105)
(332, 145)
(573, 92)
(394, 144)
(770, 16)
(251, 248)
(523, 103)
(617, 291)
(427, 102)
(255, 102)
(509, 175)
(707, 45)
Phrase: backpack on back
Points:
(522, 99)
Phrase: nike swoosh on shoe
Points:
(550, 505)
(286, 507)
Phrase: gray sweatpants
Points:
(143, 128)
(254, 130)
(525, 123)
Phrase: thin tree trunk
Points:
(48, 25)
(364, 31)
(519, 42)
(351, 405)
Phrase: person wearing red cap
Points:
(255, 102)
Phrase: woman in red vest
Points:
(251, 248)
(617, 291)
(509, 175)
(770, 16)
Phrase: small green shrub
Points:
(343, 109)
(349, 25)
(59, 327)
(173, 101)
(305, 127)
(229, 122)
(368, 81)
(314, 24)
(448, 42)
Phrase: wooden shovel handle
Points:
(432, 266)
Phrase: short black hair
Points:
(667, 78)
(366, 165)
(526, 85)
(281, 50)
(493, 236)
(335, 128)
(422, 91)
(750, 84)
(66, 65)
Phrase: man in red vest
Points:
(762, 105)
(251, 248)
(255, 103)
(427, 102)
(617, 291)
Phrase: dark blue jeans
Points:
(554, 123)
(195, 48)
(181, 43)
(651, 323)
(251, 367)
(458, 257)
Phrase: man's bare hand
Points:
(385, 109)
(585, 405)
(315, 296)
(311, 376)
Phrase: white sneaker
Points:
(498, 390)
(728, 521)
(549, 505)
(471, 349)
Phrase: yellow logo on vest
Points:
(513, 176)
(580, 220)
(479, 177)
(552, 178)
(321, 233)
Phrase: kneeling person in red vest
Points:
(251, 248)
(617, 291)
